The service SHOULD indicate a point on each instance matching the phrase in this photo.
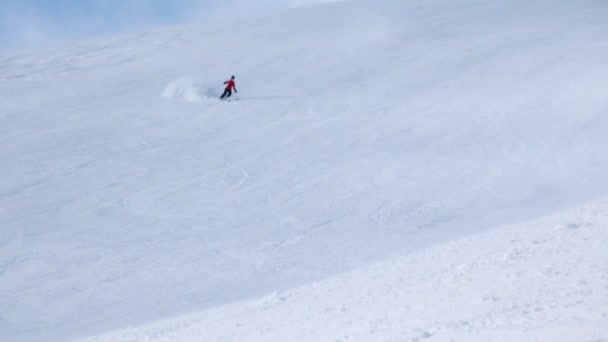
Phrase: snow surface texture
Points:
(546, 280)
(365, 131)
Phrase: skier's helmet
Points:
(233, 77)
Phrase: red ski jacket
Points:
(230, 84)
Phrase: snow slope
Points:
(545, 280)
(365, 131)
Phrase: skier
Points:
(228, 91)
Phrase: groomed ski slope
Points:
(384, 132)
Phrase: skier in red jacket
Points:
(228, 91)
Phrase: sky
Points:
(32, 22)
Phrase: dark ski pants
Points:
(227, 93)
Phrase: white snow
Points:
(545, 280)
(393, 170)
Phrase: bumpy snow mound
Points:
(540, 280)
(183, 89)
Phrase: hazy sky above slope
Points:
(27, 22)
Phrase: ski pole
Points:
(217, 86)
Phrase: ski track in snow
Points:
(364, 132)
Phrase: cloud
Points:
(26, 22)
(32, 22)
